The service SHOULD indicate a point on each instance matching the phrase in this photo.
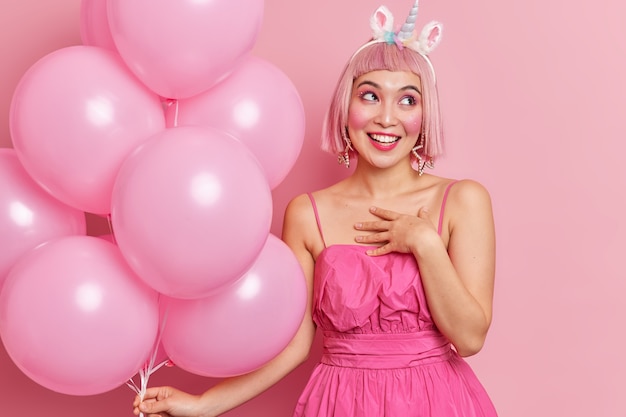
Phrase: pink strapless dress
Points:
(383, 355)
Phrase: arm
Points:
(458, 280)
(232, 392)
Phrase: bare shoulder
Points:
(468, 194)
(469, 202)
(300, 227)
(299, 209)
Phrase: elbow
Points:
(303, 358)
(300, 354)
(471, 345)
(472, 340)
(304, 355)
(469, 349)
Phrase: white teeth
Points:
(384, 138)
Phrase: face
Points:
(385, 116)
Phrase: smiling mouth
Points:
(384, 139)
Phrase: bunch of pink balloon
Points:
(163, 121)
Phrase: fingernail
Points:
(358, 238)
(372, 209)
(358, 225)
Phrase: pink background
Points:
(533, 98)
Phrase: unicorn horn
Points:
(407, 28)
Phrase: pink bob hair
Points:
(375, 57)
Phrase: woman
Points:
(399, 263)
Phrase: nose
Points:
(386, 115)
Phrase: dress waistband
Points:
(384, 351)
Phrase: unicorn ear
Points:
(381, 22)
(430, 37)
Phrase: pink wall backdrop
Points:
(533, 97)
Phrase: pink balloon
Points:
(75, 115)
(191, 210)
(29, 216)
(75, 319)
(181, 48)
(94, 24)
(242, 327)
(250, 104)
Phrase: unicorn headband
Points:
(381, 23)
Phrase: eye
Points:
(408, 100)
(368, 96)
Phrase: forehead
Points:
(392, 80)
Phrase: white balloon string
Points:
(150, 367)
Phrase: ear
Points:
(381, 22)
(430, 37)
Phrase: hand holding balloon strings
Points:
(150, 367)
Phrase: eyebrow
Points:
(375, 85)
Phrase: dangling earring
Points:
(421, 162)
(344, 157)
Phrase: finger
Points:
(372, 226)
(381, 250)
(153, 392)
(383, 213)
(152, 407)
(373, 238)
(424, 214)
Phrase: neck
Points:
(381, 182)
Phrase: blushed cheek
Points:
(413, 124)
(357, 118)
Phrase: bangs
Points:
(381, 56)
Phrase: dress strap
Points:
(443, 205)
(317, 217)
